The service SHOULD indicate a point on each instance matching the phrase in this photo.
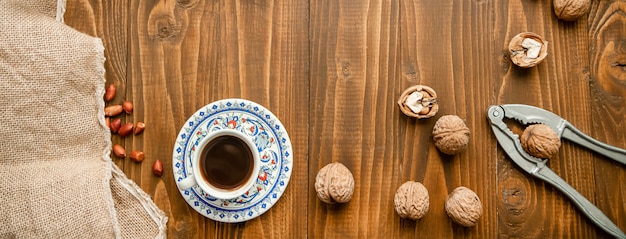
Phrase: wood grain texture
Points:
(559, 84)
(354, 56)
(607, 40)
(181, 55)
(332, 71)
(436, 52)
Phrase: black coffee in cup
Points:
(226, 162)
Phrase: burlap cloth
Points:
(56, 175)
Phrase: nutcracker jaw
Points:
(526, 114)
(537, 167)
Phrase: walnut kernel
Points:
(528, 49)
(419, 101)
(411, 200)
(334, 183)
(450, 134)
(541, 141)
(571, 10)
(463, 206)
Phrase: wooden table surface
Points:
(332, 72)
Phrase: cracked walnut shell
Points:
(411, 200)
(419, 101)
(541, 141)
(450, 134)
(334, 183)
(463, 206)
(528, 49)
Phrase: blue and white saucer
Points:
(272, 143)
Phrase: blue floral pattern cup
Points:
(197, 179)
(271, 142)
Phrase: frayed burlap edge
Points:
(60, 10)
(106, 154)
(157, 215)
(154, 212)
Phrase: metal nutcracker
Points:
(537, 167)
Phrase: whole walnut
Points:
(450, 134)
(570, 10)
(541, 141)
(334, 184)
(463, 207)
(411, 200)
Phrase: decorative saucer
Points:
(272, 143)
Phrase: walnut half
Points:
(419, 101)
(528, 49)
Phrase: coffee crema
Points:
(226, 162)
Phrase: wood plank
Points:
(559, 84)
(444, 46)
(265, 51)
(607, 41)
(354, 120)
(185, 55)
(161, 96)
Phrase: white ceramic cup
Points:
(197, 179)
